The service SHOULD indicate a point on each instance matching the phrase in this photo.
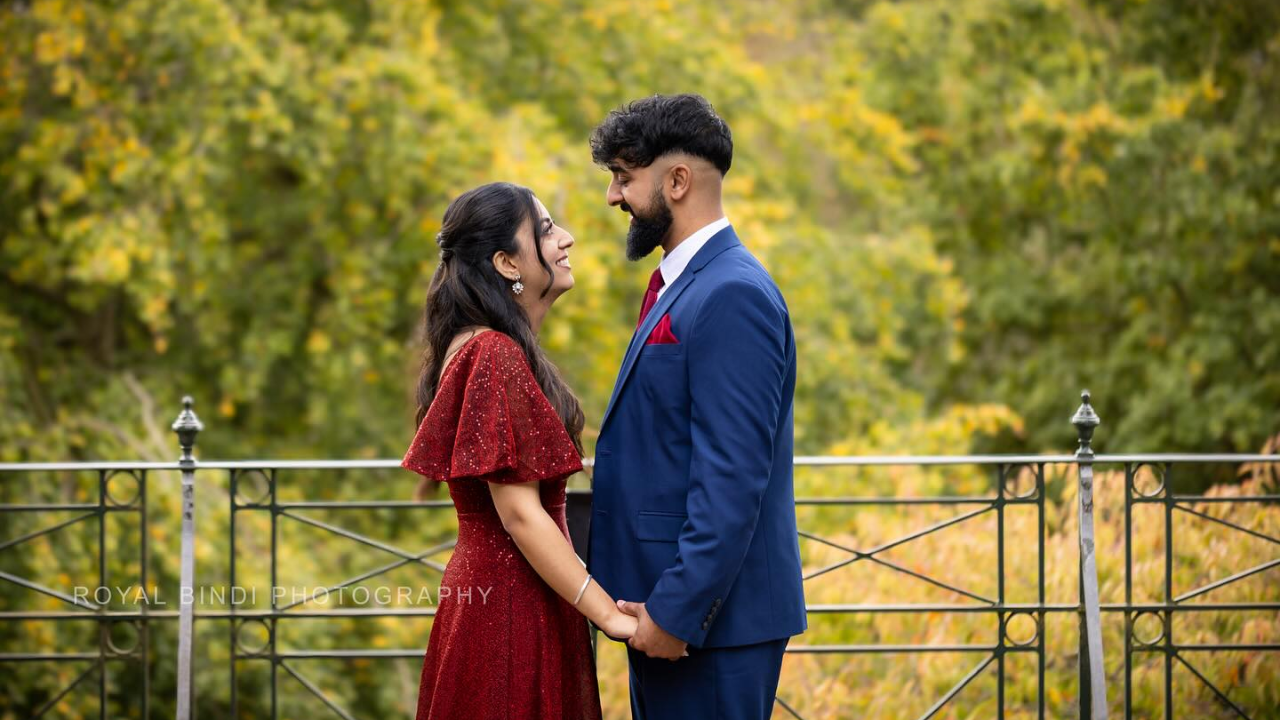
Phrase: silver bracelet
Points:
(582, 589)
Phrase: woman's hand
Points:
(619, 625)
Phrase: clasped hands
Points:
(650, 639)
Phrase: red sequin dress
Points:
(503, 644)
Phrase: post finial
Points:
(1085, 421)
(187, 426)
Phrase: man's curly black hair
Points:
(644, 130)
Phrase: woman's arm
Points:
(552, 557)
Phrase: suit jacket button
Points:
(705, 625)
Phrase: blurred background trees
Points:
(979, 205)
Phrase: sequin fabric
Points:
(503, 644)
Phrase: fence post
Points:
(187, 426)
(1093, 681)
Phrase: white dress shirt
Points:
(674, 262)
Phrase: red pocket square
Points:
(662, 334)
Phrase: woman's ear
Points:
(505, 266)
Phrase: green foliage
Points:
(238, 201)
(1105, 176)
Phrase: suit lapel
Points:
(720, 242)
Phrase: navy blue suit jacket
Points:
(693, 506)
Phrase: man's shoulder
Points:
(737, 270)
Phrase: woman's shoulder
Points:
(498, 345)
(492, 350)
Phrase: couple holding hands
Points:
(694, 560)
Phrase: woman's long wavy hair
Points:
(468, 292)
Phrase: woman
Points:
(500, 426)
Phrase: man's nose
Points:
(613, 196)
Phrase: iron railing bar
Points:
(103, 479)
(831, 543)
(1169, 599)
(937, 500)
(1093, 681)
(928, 531)
(955, 690)
(787, 707)
(45, 531)
(272, 486)
(48, 657)
(932, 581)
(373, 464)
(1228, 523)
(139, 653)
(54, 700)
(1186, 458)
(86, 466)
(869, 554)
(923, 460)
(339, 654)
(351, 535)
(374, 573)
(1001, 620)
(31, 585)
(144, 561)
(1227, 581)
(1215, 647)
(801, 460)
(187, 426)
(1130, 471)
(1041, 630)
(1216, 499)
(828, 568)
(48, 506)
(895, 649)
(893, 566)
(1221, 695)
(318, 693)
(355, 504)
(233, 627)
(1210, 499)
(930, 608)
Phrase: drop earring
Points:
(518, 287)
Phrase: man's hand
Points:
(651, 639)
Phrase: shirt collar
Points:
(674, 262)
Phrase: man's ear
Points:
(506, 268)
(679, 178)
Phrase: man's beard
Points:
(647, 233)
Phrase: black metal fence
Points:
(254, 634)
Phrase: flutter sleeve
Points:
(494, 425)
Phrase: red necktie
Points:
(651, 295)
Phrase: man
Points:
(693, 522)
